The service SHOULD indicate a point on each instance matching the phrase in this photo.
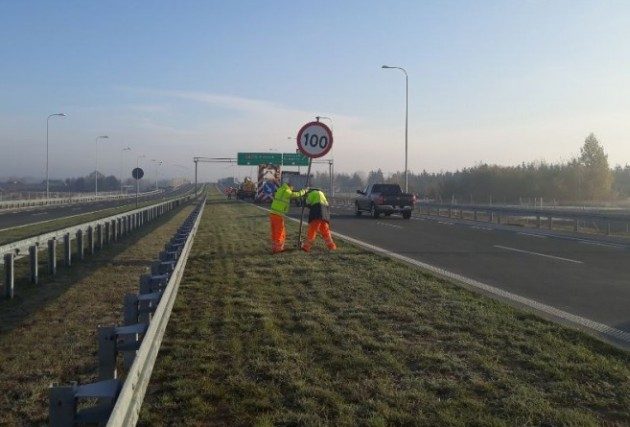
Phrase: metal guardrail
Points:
(146, 316)
(17, 204)
(91, 235)
(500, 214)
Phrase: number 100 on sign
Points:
(314, 139)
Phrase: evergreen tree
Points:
(595, 177)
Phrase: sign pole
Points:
(308, 179)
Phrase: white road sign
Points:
(315, 139)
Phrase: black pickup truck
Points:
(384, 199)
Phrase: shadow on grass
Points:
(31, 298)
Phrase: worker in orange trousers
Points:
(279, 207)
(318, 220)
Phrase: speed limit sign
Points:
(315, 139)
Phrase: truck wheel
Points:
(407, 215)
(374, 212)
(357, 212)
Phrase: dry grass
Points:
(48, 332)
(351, 338)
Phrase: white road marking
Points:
(39, 213)
(608, 245)
(507, 248)
(389, 225)
(539, 236)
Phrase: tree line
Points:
(586, 177)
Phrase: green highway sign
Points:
(249, 159)
(286, 159)
(294, 159)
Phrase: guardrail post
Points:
(490, 216)
(608, 228)
(63, 405)
(90, 240)
(106, 232)
(106, 352)
(538, 221)
(34, 261)
(499, 219)
(67, 250)
(115, 226)
(99, 236)
(80, 247)
(450, 212)
(52, 257)
(576, 225)
(9, 275)
(550, 222)
(475, 215)
(461, 214)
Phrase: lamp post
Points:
(47, 177)
(157, 163)
(406, 121)
(96, 171)
(122, 166)
(142, 156)
(331, 167)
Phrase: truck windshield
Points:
(386, 189)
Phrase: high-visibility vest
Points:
(318, 206)
(282, 199)
(316, 196)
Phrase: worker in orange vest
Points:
(318, 220)
(279, 208)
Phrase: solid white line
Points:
(617, 335)
(507, 248)
(539, 236)
(608, 245)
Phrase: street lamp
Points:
(47, 177)
(406, 121)
(122, 167)
(142, 156)
(157, 163)
(96, 172)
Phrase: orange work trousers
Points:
(321, 227)
(278, 232)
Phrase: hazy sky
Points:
(499, 82)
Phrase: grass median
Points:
(48, 332)
(352, 338)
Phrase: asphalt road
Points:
(10, 219)
(583, 278)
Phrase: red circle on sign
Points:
(328, 132)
